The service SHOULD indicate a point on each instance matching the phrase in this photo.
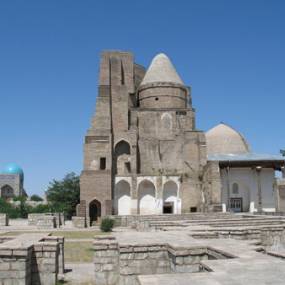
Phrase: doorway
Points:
(94, 211)
(168, 208)
(236, 205)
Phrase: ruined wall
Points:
(212, 194)
(29, 260)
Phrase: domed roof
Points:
(161, 70)
(13, 168)
(223, 139)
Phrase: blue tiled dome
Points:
(13, 168)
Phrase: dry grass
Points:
(77, 234)
(78, 252)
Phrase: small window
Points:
(193, 209)
(102, 163)
(181, 113)
(235, 188)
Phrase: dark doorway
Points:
(236, 205)
(168, 208)
(94, 211)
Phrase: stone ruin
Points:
(46, 220)
(168, 249)
(31, 259)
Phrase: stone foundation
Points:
(31, 259)
(121, 264)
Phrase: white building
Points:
(248, 182)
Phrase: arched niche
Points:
(170, 198)
(94, 211)
(122, 201)
(122, 152)
(146, 198)
(7, 192)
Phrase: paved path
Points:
(79, 273)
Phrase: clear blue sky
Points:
(232, 53)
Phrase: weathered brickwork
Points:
(142, 153)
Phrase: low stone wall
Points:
(44, 265)
(79, 222)
(121, 264)
(142, 221)
(106, 261)
(31, 259)
(4, 220)
(60, 241)
(15, 265)
(273, 239)
(46, 220)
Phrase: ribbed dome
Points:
(223, 139)
(161, 70)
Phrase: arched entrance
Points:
(146, 196)
(7, 192)
(170, 198)
(122, 204)
(94, 211)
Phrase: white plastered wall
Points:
(171, 192)
(122, 196)
(247, 179)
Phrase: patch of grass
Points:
(78, 252)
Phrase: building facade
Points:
(143, 153)
(12, 181)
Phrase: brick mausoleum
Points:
(144, 155)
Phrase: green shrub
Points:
(107, 224)
(36, 198)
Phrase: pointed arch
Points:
(94, 211)
(122, 201)
(122, 148)
(170, 197)
(146, 197)
(7, 191)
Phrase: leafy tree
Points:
(36, 198)
(63, 195)
(7, 208)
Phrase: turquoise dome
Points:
(13, 168)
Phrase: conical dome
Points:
(161, 69)
(162, 87)
(222, 139)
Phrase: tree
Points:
(282, 151)
(63, 195)
(36, 198)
